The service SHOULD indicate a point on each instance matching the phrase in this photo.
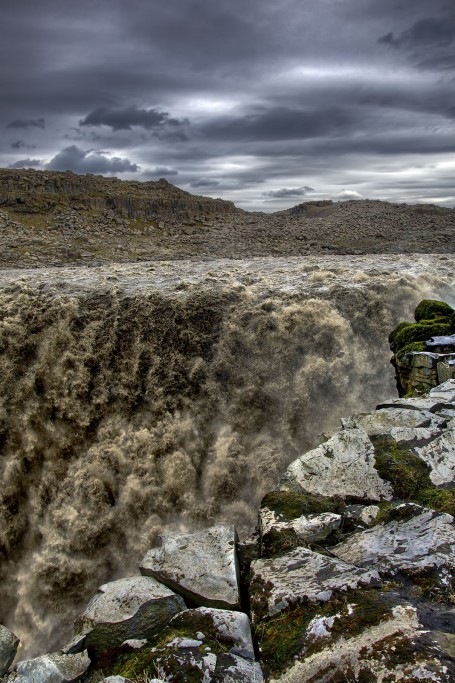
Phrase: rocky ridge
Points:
(54, 218)
(349, 576)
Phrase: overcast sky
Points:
(265, 102)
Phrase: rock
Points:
(424, 542)
(439, 454)
(137, 607)
(366, 514)
(386, 420)
(302, 574)
(8, 648)
(53, 668)
(445, 391)
(229, 628)
(430, 405)
(397, 646)
(233, 669)
(306, 528)
(202, 567)
(120, 679)
(402, 424)
(343, 466)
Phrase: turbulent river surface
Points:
(172, 395)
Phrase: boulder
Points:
(386, 420)
(8, 648)
(300, 575)
(202, 567)
(424, 542)
(229, 628)
(439, 454)
(121, 679)
(131, 608)
(444, 392)
(343, 466)
(397, 645)
(304, 529)
(53, 668)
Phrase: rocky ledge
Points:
(349, 576)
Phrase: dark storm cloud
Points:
(429, 31)
(204, 182)
(127, 117)
(26, 163)
(27, 123)
(89, 161)
(20, 144)
(285, 192)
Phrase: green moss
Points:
(413, 347)
(409, 476)
(420, 332)
(428, 309)
(283, 637)
(288, 505)
(398, 328)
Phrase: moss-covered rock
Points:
(409, 476)
(420, 332)
(429, 309)
(288, 505)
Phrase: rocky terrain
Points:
(54, 218)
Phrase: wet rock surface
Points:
(8, 648)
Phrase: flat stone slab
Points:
(299, 575)
(445, 391)
(131, 608)
(424, 542)
(202, 567)
(440, 456)
(8, 648)
(431, 405)
(384, 420)
(342, 466)
(53, 668)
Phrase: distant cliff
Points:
(41, 192)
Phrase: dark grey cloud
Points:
(127, 117)
(26, 163)
(425, 32)
(204, 182)
(286, 192)
(27, 123)
(20, 144)
(89, 161)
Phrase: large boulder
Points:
(391, 647)
(422, 543)
(131, 608)
(8, 648)
(53, 668)
(233, 669)
(202, 567)
(301, 575)
(342, 466)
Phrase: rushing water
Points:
(138, 398)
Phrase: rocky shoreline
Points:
(350, 576)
